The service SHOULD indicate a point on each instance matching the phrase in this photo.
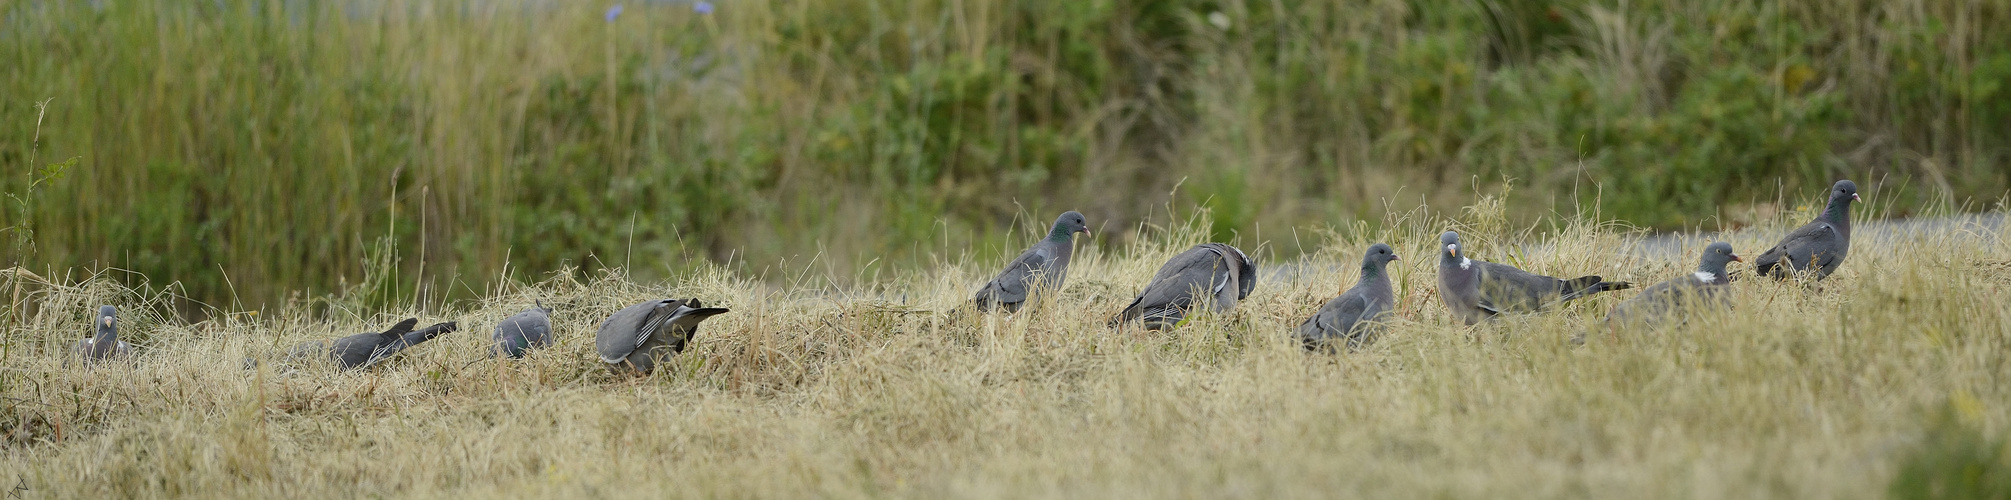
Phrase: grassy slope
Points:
(855, 391)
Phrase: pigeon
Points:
(1043, 265)
(1476, 290)
(1219, 270)
(638, 336)
(1353, 315)
(105, 345)
(1819, 245)
(531, 329)
(1708, 287)
(365, 350)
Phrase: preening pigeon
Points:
(105, 344)
(364, 350)
(530, 329)
(1819, 245)
(1353, 315)
(1708, 287)
(638, 336)
(1221, 273)
(1044, 265)
(1476, 290)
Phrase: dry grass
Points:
(885, 390)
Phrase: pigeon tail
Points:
(1585, 286)
(416, 337)
(1129, 313)
(410, 338)
(699, 313)
(402, 327)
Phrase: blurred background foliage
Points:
(266, 151)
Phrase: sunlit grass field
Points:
(1887, 378)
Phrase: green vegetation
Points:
(268, 151)
(1889, 377)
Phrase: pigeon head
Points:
(108, 321)
(1716, 257)
(1448, 246)
(1844, 189)
(1379, 255)
(1840, 197)
(1067, 225)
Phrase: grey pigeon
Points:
(1819, 245)
(1353, 315)
(105, 344)
(1708, 287)
(638, 336)
(530, 329)
(1044, 265)
(1221, 272)
(364, 350)
(1477, 290)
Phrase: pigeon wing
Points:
(616, 338)
(1798, 248)
(1010, 287)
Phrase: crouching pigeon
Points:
(1709, 287)
(1353, 315)
(1215, 273)
(105, 344)
(1476, 290)
(1044, 265)
(531, 329)
(1819, 245)
(637, 337)
(364, 350)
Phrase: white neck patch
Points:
(1465, 263)
(1706, 277)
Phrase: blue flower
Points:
(702, 7)
(613, 12)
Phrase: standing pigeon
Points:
(106, 344)
(364, 350)
(1221, 271)
(1044, 265)
(531, 329)
(1708, 287)
(639, 336)
(1476, 290)
(1353, 315)
(1820, 245)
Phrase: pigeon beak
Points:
(107, 321)
(1452, 249)
(1087, 234)
(1853, 197)
(1735, 258)
(1393, 257)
